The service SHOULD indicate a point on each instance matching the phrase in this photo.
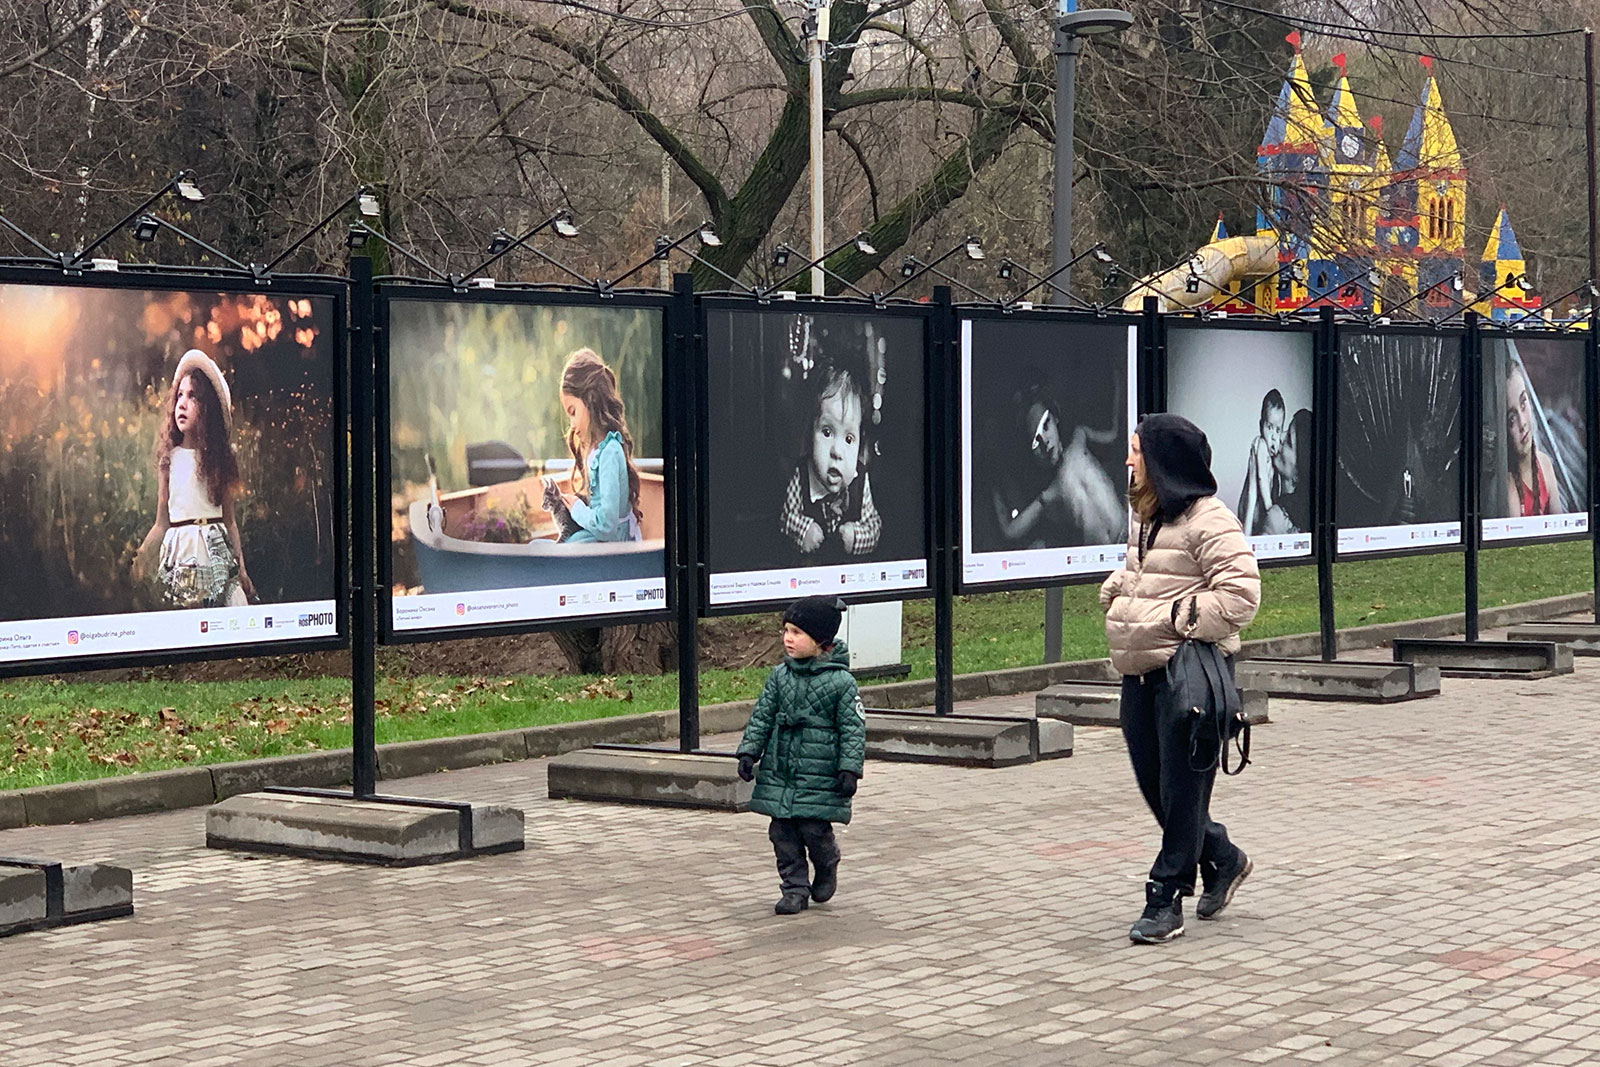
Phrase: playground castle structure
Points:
(1343, 226)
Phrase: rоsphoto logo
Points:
(319, 618)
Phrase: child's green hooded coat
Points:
(807, 726)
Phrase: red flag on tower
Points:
(1294, 39)
(1339, 62)
(1427, 63)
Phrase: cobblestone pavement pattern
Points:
(1420, 896)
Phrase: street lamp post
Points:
(1072, 26)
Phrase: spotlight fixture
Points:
(185, 187)
(499, 242)
(1007, 268)
(974, 249)
(663, 244)
(864, 246)
(1191, 284)
(708, 236)
(368, 205)
(1098, 251)
(780, 256)
(1456, 282)
(1110, 279)
(908, 268)
(356, 238)
(565, 228)
(146, 228)
(1524, 283)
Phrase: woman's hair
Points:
(1514, 368)
(1273, 401)
(1142, 499)
(587, 377)
(215, 462)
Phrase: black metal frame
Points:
(1340, 329)
(192, 281)
(1488, 331)
(955, 440)
(707, 304)
(1312, 329)
(385, 294)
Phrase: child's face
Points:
(799, 644)
(836, 441)
(1519, 415)
(577, 414)
(186, 409)
(1272, 429)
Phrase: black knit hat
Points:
(818, 616)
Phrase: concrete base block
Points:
(41, 894)
(1345, 680)
(1050, 738)
(1487, 659)
(358, 831)
(1100, 704)
(962, 740)
(1582, 637)
(22, 900)
(96, 890)
(648, 776)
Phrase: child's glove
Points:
(845, 782)
(747, 768)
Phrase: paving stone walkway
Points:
(1422, 895)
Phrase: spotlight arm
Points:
(818, 262)
(1550, 304)
(162, 224)
(82, 254)
(55, 257)
(1050, 279)
(666, 250)
(924, 268)
(396, 246)
(518, 242)
(354, 198)
(1419, 294)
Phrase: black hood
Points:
(1177, 460)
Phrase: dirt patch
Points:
(727, 642)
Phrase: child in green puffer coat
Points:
(809, 734)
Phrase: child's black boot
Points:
(792, 903)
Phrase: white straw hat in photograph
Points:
(196, 360)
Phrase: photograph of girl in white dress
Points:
(165, 450)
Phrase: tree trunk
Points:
(649, 648)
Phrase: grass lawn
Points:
(61, 732)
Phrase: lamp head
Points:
(146, 228)
(183, 184)
(367, 203)
(499, 242)
(708, 236)
(1007, 268)
(864, 246)
(908, 267)
(1098, 251)
(356, 236)
(780, 256)
(974, 249)
(564, 226)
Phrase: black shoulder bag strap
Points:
(1227, 710)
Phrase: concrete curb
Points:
(138, 794)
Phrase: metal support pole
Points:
(1593, 385)
(1471, 464)
(943, 420)
(1067, 48)
(814, 53)
(683, 401)
(363, 534)
(1326, 413)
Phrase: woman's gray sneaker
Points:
(1220, 895)
(1163, 916)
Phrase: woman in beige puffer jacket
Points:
(1189, 575)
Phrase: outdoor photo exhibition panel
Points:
(1535, 459)
(814, 453)
(1250, 390)
(526, 458)
(1398, 429)
(1046, 406)
(171, 466)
